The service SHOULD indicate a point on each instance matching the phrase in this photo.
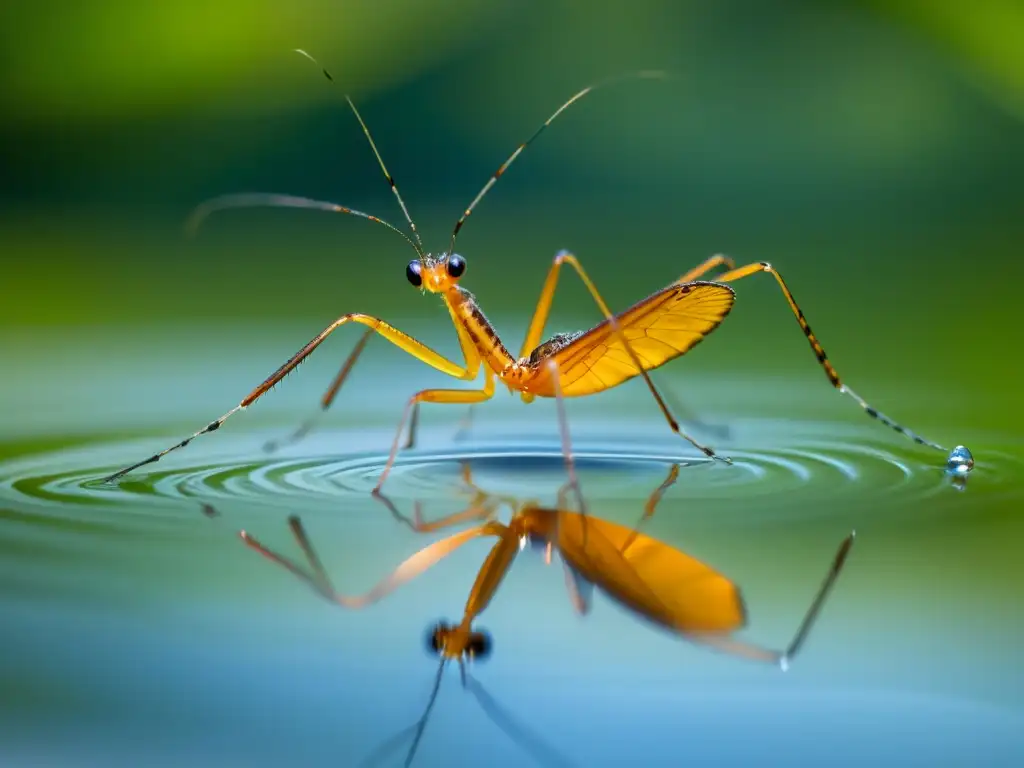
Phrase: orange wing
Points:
(651, 578)
(660, 328)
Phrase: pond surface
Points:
(138, 630)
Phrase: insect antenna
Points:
(527, 740)
(388, 746)
(273, 200)
(644, 74)
(373, 146)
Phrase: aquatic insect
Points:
(650, 578)
(660, 328)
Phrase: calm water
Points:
(136, 630)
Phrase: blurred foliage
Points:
(866, 146)
(985, 38)
(112, 59)
(107, 60)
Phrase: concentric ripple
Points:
(780, 460)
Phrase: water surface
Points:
(137, 630)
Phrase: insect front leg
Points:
(328, 396)
(403, 341)
(471, 367)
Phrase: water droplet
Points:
(960, 461)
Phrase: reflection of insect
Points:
(649, 577)
(479, 649)
(654, 580)
(658, 329)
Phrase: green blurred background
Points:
(872, 151)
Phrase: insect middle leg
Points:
(482, 507)
(465, 396)
(540, 316)
(833, 377)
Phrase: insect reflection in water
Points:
(655, 581)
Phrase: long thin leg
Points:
(563, 429)
(547, 294)
(460, 434)
(478, 509)
(497, 498)
(540, 315)
(819, 352)
(580, 590)
(406, 343)
(469, 351)
(408, 570)
(464, 426)
(328, 396)
(544, 306)
(482, 506)
(706, 266)
(716, 430)
(435, 396)
(783, 658)
(652, 502)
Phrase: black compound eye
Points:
(456, 265)
(412, 273)
(436, 636)
(480, 645)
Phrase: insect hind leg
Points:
(543, 308)
(819, 352)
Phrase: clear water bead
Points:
(960, 461)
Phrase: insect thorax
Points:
(551, 346)
(481, 331)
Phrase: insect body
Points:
(662, 327)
